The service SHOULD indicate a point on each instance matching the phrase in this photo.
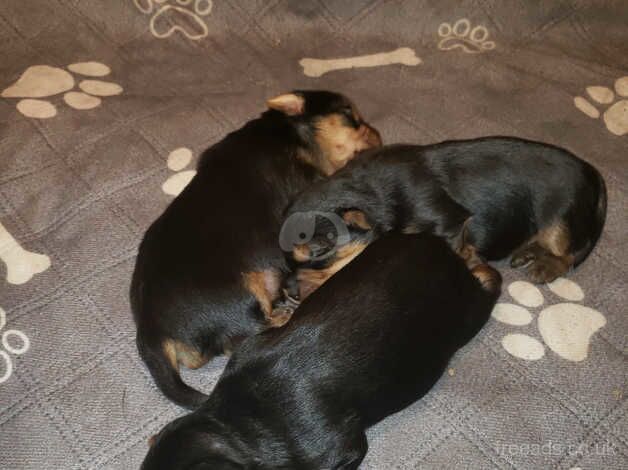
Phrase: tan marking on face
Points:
(356, 218)
(339, 141)
(301, 253)
(265, 286)
(311, 279)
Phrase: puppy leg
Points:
(352, 453)
(461, 243)
(181, 353)
(547, 256)
(265, 286)
(284, 307)
(190, 357)
(489, 277)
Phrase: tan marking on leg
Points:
(280, 316)
(555, 239)
(541, 265)
(169, 347)
(177, 353)
(470, 256)
(489, 277)
(265, 286)
(189, 356)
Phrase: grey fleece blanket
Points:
(104, 109)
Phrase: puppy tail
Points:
(597, 224)
(160, 356)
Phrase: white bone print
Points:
(318, 67)
(21, 264)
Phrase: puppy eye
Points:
(347, 112)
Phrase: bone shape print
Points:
(318, 67)
(21, 264)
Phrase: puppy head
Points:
(192, 442)
(320, 244)
(329, 126)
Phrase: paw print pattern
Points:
(178, 159)
(460, 35)
(14, 342)
(43, 81)
(566, 327)
(616, 115)
(184, 16)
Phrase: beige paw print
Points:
(169, 16)
(616, 115)
(462, 36)
(14, 342)
(178, 159)
(566, 328)
(43, 81)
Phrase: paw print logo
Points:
(565, 327)
(184, 16)
(178, 159)
(13, 341)
(460, 35)
(616, 115)
(44, 81)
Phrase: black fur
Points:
(188, 281)
(369, 342)
(510, 188)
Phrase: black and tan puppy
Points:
(373, 339)
(210, 268)
(538, 203)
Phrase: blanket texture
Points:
(104, 109)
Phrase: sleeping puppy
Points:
(537, 203)
(209, 270)
(373, 339)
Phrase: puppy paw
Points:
(280, 315)
(522, 258)
(546, 269)
(489, 277)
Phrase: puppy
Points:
(538, 203)
(209, 269)
(373, 339)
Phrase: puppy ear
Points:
(289, 104)
(356, 218)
